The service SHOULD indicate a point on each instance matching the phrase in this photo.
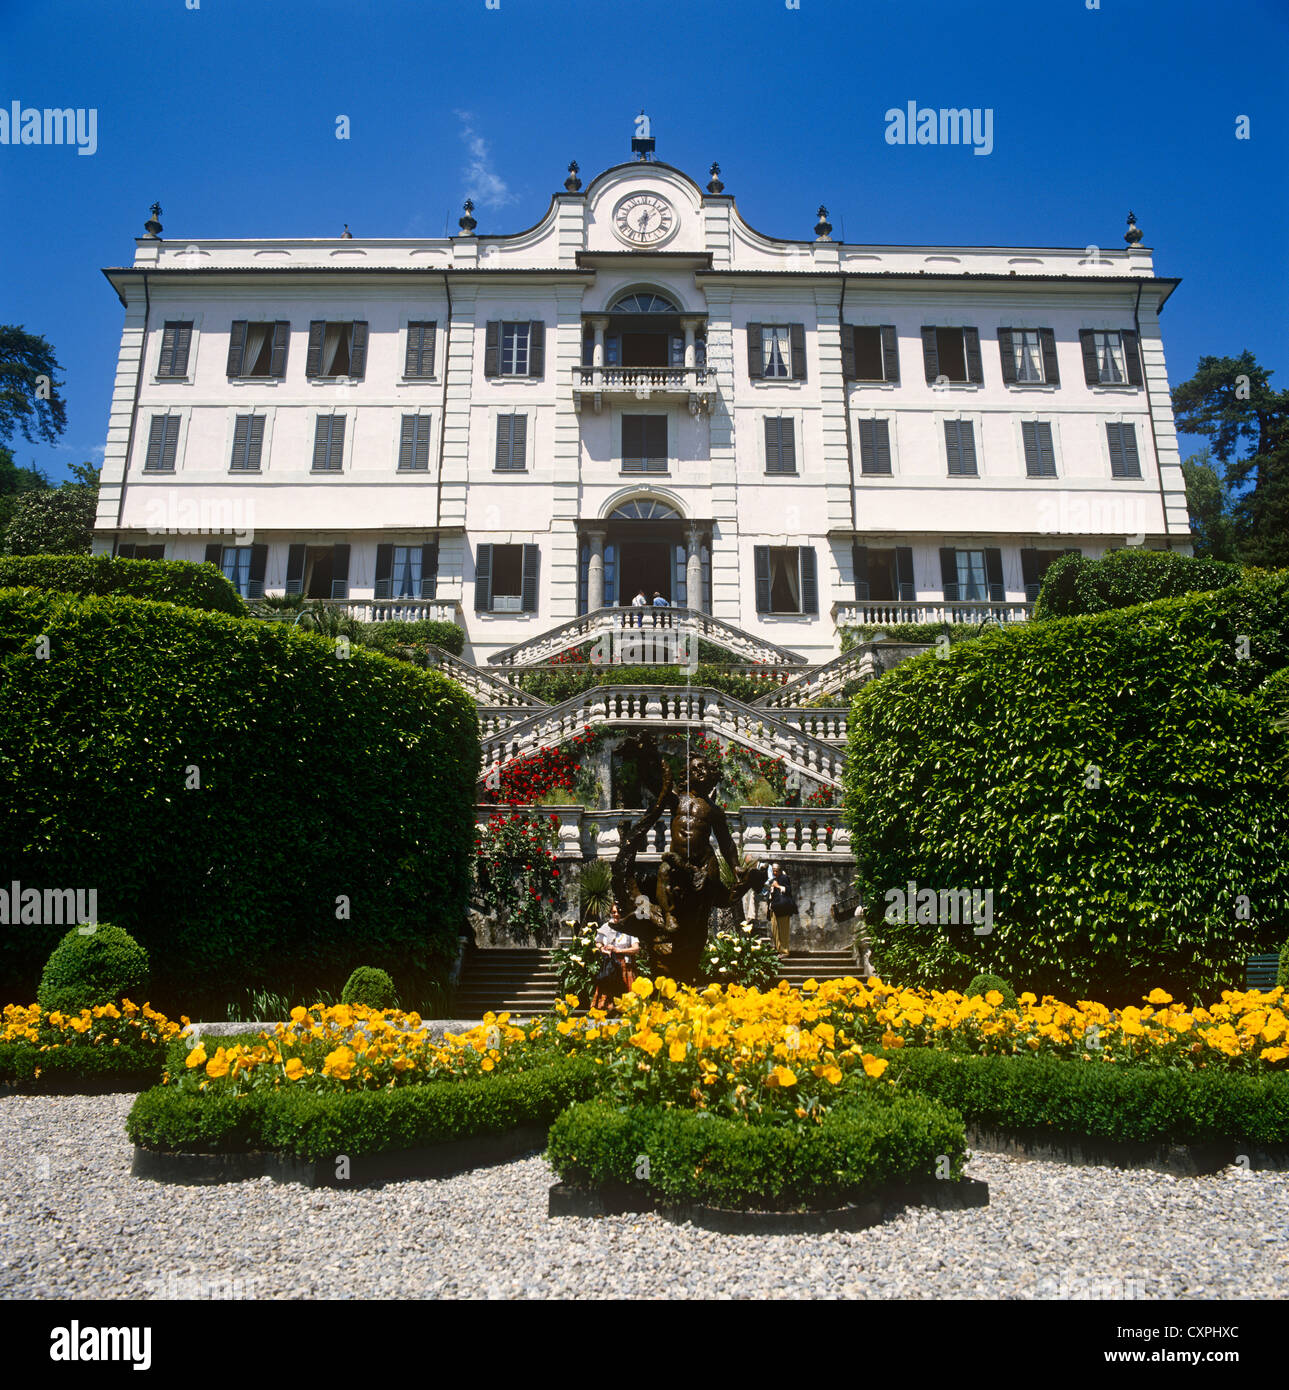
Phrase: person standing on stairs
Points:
(782, 905)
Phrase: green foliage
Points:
(58, 522)
(246, 803)
(1100, 1100)
(516, 872)
(873, 1139)
(100, 965)
(1074, 584)
(740, 958)
(395, 637)
(982, 984)
(1282, 974)
(1209, 503)
(82, 1066)
(595, 889)
(1112, 779)
(906, 632)
(315, 1125)
(30, 396)
(370, 986)
(166, 581)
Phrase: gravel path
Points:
(73, 1223)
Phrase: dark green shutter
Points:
(1124, 459)
(953, 446)
(156, 439)
(259, 564)
(281, 337)
(236, 346)
(1091, 370)
(1046, 450)
(429, 569)
(422, 457)
(241, 431)
(215, 555)
(412, 359)
(797, 345)
(904, 572)
(761, 555)
(930, 354)
(321, 441)
(340, 571)
(1007, 354)
(975, 368)
(1132, 356)
(482, 578)
(125, 550)
(519, 442)
(859, 562)
(384, 570)
(1029, 574)
(848, 351)
(809, 581)
(967, 442)
(1029, 438)
(528, 603)
(867, 449)
(1130, 457)
(313, 358)
(407, 445)
(504, 422)
(1115, 441)
(491, 347)
(890, 352)
(754, 358)
(949, 573)
(788, 445)
(1051, 368)
(295, 558)
(536, 349)
(994, 574)
(882, 446)
(358, 350)
(166, 366)
(175, 340)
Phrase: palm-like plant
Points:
(596, 887)
(328, 621)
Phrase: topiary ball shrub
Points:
(369, 986)
(982, 984)
(88, 968)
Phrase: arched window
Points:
(644, 509)
(643, 303)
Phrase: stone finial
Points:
(467, 223)
(573, 184)
(152, 227)
(1133, 235)
(715, 185)
(346, 235)
(823, 228)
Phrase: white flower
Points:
(747, 926)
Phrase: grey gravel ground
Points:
(74, 1223)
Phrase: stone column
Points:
(694, 569)
(597, 350)
(595, 571)
(690, 326)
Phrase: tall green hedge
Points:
(231, 789)
(167, 581)
(410, 633)
(1115, 781)
(1075, 585)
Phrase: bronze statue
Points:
(673, 920)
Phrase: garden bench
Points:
(1260, 972)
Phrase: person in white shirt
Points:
(640, 602)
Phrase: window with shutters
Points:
(973, 586)
(512, 443)
(780, 445)
(1034, 565)
(786, 579)
(951, 350)
(419, 362)
(960, 446)
(329, 444)
(1110, 361)
(414, 444)
(336, 350)
(507, 578)
(235, 561)
(1040, 455)
(248, 443)
(176, 339)
(868, 354)
(129, 550)
(163, 444)
(1027, 355)
(875, 448)
(515, 343)
(888, 574)
(776, 352)
(1125, 462)
(258, 350)
(644, 444)
(405, 577)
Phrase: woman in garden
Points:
(608, 979)
(625, 950)
(782, 905)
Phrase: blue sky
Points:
(226, 114)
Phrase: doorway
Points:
(319, 571)
(644, 565)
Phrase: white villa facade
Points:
(640, 391)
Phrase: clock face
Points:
(644, 219)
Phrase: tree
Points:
(29, 398)
(58, 521)
(1230, 400)
(1209, 503)
(13, 482)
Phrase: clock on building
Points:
(644, 219)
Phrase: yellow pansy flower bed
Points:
(107, 1025)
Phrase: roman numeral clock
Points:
(644, 220)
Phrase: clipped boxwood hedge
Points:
(89, 968)
(1074, 584)
(872, 1140)
(316, 1125)
(1116, 781)
(71, 1066)
(398, 633)
(1101, 1100)
(248, 803)
(165, 581)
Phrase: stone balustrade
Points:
(930, 611)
